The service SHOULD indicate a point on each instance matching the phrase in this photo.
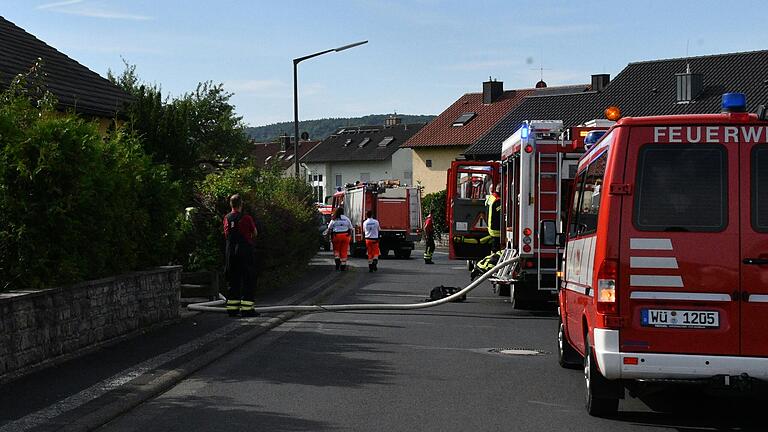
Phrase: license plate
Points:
(668, 318)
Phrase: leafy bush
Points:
(284, 213)
(435, 202)
(74, 204)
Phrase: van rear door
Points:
(754, 249)
(680, 246)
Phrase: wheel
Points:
(598, 388)
(403, 253)
(514, 299)
(384, 252)
(327, 247)
(567, 356)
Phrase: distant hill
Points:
(322, 128)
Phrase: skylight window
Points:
(348, 142)
(386, 141)
(289, 157)
(364, 142)
(463, 119)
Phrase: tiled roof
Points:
(75, 86)
(262, 153)
(643, 89)
(345, 143)
(441, 132)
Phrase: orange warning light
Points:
(612, 113)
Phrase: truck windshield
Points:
(681, 188)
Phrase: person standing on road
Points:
(240, 270)
(429, 239)
(371, 227)
(341, 231)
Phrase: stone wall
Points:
(37, 327)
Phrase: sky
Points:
(422, 55)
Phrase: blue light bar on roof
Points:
(734, 102)
(524, 132)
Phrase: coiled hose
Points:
(215, 306)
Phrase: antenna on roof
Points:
(687, 63)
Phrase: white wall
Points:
(394, 168)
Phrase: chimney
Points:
(492, 89)
(689, 85)
(600, 82)
(392, 120)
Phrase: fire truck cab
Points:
(665, 274)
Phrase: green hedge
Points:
(285, 215)
(75, 204)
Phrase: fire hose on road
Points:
(217, 305)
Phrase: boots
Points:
(370, 267)
(338, 263)
(375, 264)
(428, 261)
(344, 267)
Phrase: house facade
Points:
(280, 153)
(360, 153)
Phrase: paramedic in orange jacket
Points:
(340, 228)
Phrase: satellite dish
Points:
(304, 136)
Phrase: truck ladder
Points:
(506, 273)
(548, 160)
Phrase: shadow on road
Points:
(691, 409)
(327, 356)
(191, 413)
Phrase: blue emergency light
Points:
(593, 137)
(734, 102)
(524, 132)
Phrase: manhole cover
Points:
(517, 351)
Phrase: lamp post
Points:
(296, 62)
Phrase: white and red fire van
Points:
(665, 273)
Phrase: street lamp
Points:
(296, 62)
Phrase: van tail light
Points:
(607, 306)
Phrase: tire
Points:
(514, 299)
(384, 252)
(567, 356)
(403, 253)
(327, 247)
(596, 385)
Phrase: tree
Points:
(200, 126)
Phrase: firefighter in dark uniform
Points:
(240, 265)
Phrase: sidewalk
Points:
(86, 392)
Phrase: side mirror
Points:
(548, 234)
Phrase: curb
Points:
(147, 386)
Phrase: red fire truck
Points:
(666, 264)
(397, 208)
(538, 164)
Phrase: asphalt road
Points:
(435, 369)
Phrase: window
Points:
(364, 142)
(463, 119)
(472, 185)
(760, 188)
(591, 192)
(428, 162)
(318, 194)
(338, 180)
(348, 142)
(575, 206)
(407, 177)
(365, 177)
(681, 188)
(319, 177)
(386, 141)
